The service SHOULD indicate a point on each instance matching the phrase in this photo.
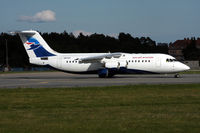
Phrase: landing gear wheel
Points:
(105, 73)
(177, 76)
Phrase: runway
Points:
(60, 79)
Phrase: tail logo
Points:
(34, 44)
(37, 48)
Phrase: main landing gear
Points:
(106, 73)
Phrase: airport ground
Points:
(60, 80)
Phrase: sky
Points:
(161, 20)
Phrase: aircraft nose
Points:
(185, 67)
(181, 67)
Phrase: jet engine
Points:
(111, 68)
(111, 65)
(116, 64)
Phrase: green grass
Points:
(191, 72)
(128, 109)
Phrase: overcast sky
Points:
(162, 20)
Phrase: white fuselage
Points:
(134, 63)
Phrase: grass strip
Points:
(138, 108)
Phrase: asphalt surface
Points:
(60, 79)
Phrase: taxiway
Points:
(60, 79)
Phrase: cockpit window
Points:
(171, 60)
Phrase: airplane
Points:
(104, 64)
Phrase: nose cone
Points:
(179, 67)
(186, 67)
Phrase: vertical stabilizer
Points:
(35, 45)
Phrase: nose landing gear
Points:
(177, 75)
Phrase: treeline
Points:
(68, 43)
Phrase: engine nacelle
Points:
(123, 64)
(116, 64)
(112, 64)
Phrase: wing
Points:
(98, 58)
